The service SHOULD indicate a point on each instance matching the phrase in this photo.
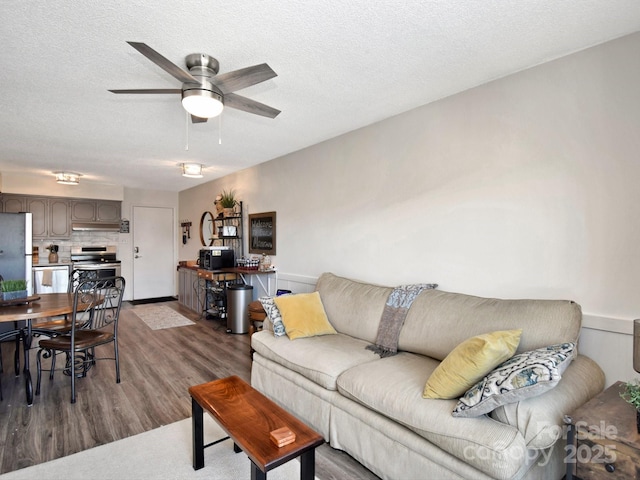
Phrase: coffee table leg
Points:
(308, 465)
(236, 448)
(198, 435)
(256, 473)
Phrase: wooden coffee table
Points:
(249, 417)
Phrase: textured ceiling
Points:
(341, 66)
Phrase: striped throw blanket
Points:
(393, 316)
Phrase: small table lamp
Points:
(636, 345)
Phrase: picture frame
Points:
(262, 233)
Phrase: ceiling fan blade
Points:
(195, 119)
(149, 90)
(251, 106)
(167, 65)
(243, 78)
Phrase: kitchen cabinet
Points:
(38, 209)
(59, 225)
(107, 211)
(50, 215)
(53, 216)
(189, 291)
(83, 210)
(14, 204)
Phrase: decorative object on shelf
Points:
(13, 289)
(265, 263)
(68, 178)
(191, 170)
(228, 202)
(262, 233)
(251, 263)
(631, 394)
(53, 253)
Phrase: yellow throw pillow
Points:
(303, 315)
(469, 362)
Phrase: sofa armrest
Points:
(539, 419)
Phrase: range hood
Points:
(95, 227)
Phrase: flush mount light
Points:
(201, 102)
(67, 178)
(192, 170)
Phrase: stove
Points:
(100, 258)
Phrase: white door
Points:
(153, 252)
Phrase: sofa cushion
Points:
(352, 307)
(274, 315)
(469, 362)
(523, 376)
(438, 321)
(540, 419)
(303, 315)
(392, 386)
(320, 359)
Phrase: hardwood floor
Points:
(157, 367)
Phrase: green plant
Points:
(631, 393)
(13, 285)
(228, 199)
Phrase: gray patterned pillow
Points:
(274, 315)
(522, 376)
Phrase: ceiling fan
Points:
(204, 92)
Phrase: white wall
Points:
(524, 187)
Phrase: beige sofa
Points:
(373, 408)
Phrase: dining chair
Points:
(59, 325)
(94, 322)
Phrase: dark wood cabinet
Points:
(606, 443)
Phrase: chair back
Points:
(99, 301)
(77, 276)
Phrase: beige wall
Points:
(524, 187)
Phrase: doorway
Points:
(153, 252)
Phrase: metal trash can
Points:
(239, 297)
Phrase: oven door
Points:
(102, 270)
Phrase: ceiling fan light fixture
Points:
(67, 178)
(202, 103)
(192, 170)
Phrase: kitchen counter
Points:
(58, 264)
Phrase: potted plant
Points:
(228, 202)
(13, 289)
(631, 394)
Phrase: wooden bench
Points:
(248, 417)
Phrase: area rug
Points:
(163, 453)
(160, 316)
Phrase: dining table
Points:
(30, 310)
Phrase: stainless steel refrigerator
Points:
(16, 248)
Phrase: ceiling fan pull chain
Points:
(219, 129)
(186, 131)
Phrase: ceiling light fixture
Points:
(68, 178)
(192, 170)
(201, 102)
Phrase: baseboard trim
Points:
(152, 300)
